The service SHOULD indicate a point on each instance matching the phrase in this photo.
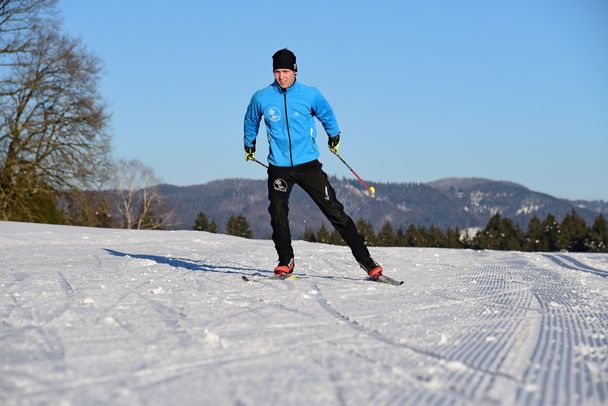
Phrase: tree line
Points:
(237, 225)
(571, 234)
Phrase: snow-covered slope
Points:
(121, 317)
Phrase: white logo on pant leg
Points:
(279, 185)
(326, 194)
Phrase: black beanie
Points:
(284, 59)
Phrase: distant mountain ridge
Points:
(449, 202)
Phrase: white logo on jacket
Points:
(274, 114)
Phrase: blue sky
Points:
(508, 90)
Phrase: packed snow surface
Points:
(95, 316)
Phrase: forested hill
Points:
(450, 202)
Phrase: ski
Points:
(387, 280)
(257, 277)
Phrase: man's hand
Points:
(334, 143)
(249, 153)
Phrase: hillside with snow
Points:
(450, 202)
(106, 316)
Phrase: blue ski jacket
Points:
(289, 118)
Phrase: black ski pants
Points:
(310, 177)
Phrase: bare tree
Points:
(140, 204)
(52, 118)
(19, 22)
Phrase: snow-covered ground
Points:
(94, 316)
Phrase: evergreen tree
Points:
(386, 235)
(551, 231)
(212, 227)
(499, 234)
(367, 231)
(239, 226)
(323, 234)
(452, 238)
(437, 238)
(400, 237)
(488, 238)
(599, 235)
(335, 238)
(409, 237)
(413, 237)
(201, 223)
(535, 237)
(424, 237)
(574, 234)
(309, 235)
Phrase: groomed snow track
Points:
(94, 316)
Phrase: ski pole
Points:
(261, 163)
(371, 189)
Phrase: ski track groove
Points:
(581, 265)
(513, 306)
(468, 392)
(403, 397)
(491, 356)
(562, 327)
(575, 265)
(174, 371)
(67, 287)
(333, 377)
(160, 373)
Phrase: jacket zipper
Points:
(287, 123)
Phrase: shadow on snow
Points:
(199, 266)
(189, 264)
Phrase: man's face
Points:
(284, 77)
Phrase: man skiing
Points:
(289, 108)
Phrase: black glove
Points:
(334, 143)
(249, 153)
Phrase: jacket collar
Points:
(290, 89)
